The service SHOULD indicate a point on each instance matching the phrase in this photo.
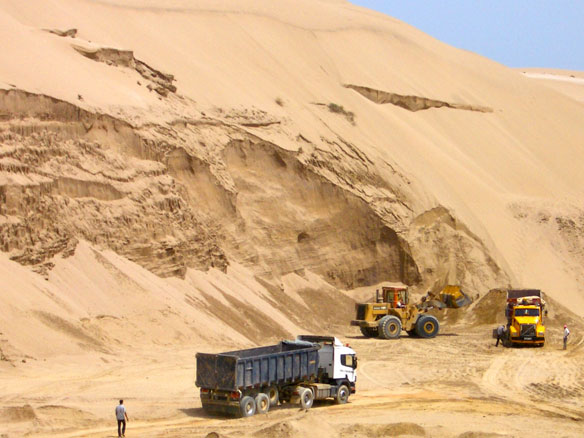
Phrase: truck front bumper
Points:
(528, 340)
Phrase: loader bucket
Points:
(453, 297)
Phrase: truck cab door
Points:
(345, 364)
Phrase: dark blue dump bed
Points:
(521, 293)
(275, 364)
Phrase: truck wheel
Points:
(389, 327)
(306, 398)
(273, 395)
(369, 332)
(247, 406)
(427, 326)
(342, 395)
(262, 402)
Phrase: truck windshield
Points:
(526, 312)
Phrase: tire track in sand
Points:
(515, 378)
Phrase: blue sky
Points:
(517, 33)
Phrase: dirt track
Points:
(454, 384)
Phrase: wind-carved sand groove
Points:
(72, 33)
(161, 82)
(412, 103)
(75, 188)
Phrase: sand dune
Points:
(200, 175)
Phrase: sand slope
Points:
(179, 176)
(315, 137)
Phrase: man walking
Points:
(500, 331)
(122, 417)
(566, 334)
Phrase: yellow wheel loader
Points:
(392, 312)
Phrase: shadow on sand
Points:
(195, 412)
(200, 413)
(404, 336)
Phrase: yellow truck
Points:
(525, 318)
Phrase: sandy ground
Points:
(457, 384)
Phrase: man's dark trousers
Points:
(121, 427)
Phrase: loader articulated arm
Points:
(451, 297)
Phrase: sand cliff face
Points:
(202, 137)
(163, 198)
(69, 174)
(150, 195)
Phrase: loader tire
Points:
(369, 332)
(427, 326)
(389, 327)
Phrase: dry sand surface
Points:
(142, 349)
(456, 385)
(201, 175)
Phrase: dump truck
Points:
(525, 309)
(245, 382)
(392, 312)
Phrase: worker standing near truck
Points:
(566, 334)
(500, 332)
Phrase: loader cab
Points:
(395, 297)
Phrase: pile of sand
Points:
(383, 430)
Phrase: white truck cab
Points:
(337, 361)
